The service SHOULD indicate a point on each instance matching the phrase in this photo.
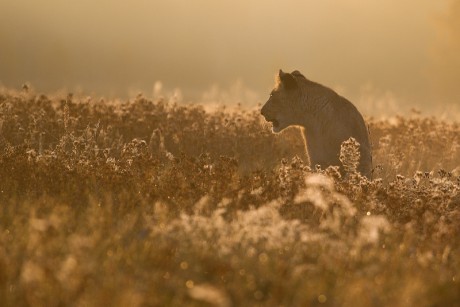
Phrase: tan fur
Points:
(327, 119)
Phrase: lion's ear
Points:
(287, 80)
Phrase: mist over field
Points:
(400, 54)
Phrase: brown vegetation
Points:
(143, 203)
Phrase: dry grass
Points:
(145, 203)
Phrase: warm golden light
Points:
(404, 49)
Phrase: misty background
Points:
(382, 55)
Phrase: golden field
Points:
(153, 203)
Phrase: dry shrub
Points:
(148, 203)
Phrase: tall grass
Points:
(151, 203)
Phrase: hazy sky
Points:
(408, 49)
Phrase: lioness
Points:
(327, 119)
